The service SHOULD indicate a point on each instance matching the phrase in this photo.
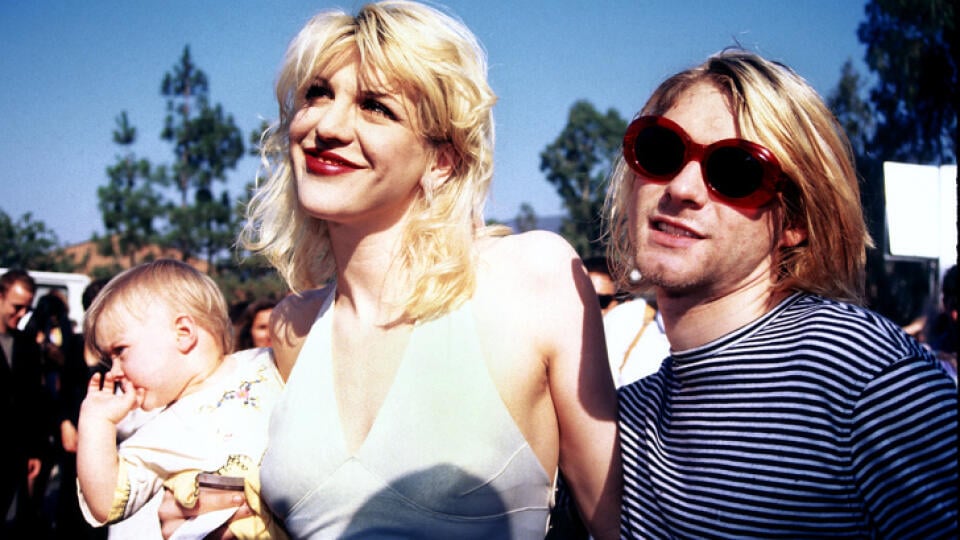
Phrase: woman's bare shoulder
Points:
(529, 275)
(534, 247)
(528, 258)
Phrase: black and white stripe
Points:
(819, 419)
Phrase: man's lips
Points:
(327, 163)
(674, 229)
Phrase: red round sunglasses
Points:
(740, 173)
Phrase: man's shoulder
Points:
(812, 306)
(839, 322)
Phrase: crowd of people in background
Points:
(433, 376)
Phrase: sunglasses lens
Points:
(734, 172)
(659, 151)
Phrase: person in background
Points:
(636, 343)
(599, 271)
(255, 325)
(164, 329)
(21, 408)
(73, 388)
(785, 409)
(50, 326)
(941, 331)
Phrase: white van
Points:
(70, 285)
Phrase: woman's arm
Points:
(539, 303)
(583, 395)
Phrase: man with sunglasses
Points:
(20, 404)
(784, 409)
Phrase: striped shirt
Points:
(818, 419)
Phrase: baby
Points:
(164, 328)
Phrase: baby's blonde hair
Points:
(175, 284)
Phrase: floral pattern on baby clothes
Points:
(244, 394)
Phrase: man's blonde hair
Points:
(434, 59)
(775, 107)
(175, 284)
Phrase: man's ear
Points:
(444, 162)
(793, 237)
(187, 332)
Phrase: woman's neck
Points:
(368, 272)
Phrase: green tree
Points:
(526, 219)
(130, 202)
(912, 49)
(854, 113)
(206, 143)
(910, 116)
(247, 277)
(577, 163)
(29, 243)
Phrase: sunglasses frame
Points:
(771, 181)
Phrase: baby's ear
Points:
(186, 329)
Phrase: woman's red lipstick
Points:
(327, 163)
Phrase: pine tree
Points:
(206, 143)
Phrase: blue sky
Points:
(70, 67)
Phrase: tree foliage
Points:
(206, 143)
(28, 243)
(912, 49)
(131, 202)
(577, 163)
(911, 117)
(854, 113)
(526, 219)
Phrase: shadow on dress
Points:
(450, 502)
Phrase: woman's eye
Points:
(317, 91)
(377, 107)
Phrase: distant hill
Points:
(87, 256)
(546, 223)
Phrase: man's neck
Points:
(691, 320)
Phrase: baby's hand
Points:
(105, 401)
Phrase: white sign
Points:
(922, 211)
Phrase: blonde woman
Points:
(438, 372)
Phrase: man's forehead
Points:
(17, 291)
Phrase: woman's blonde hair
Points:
(776, 108)
(175, 284)
(436, 60)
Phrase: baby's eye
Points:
(117, 352)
